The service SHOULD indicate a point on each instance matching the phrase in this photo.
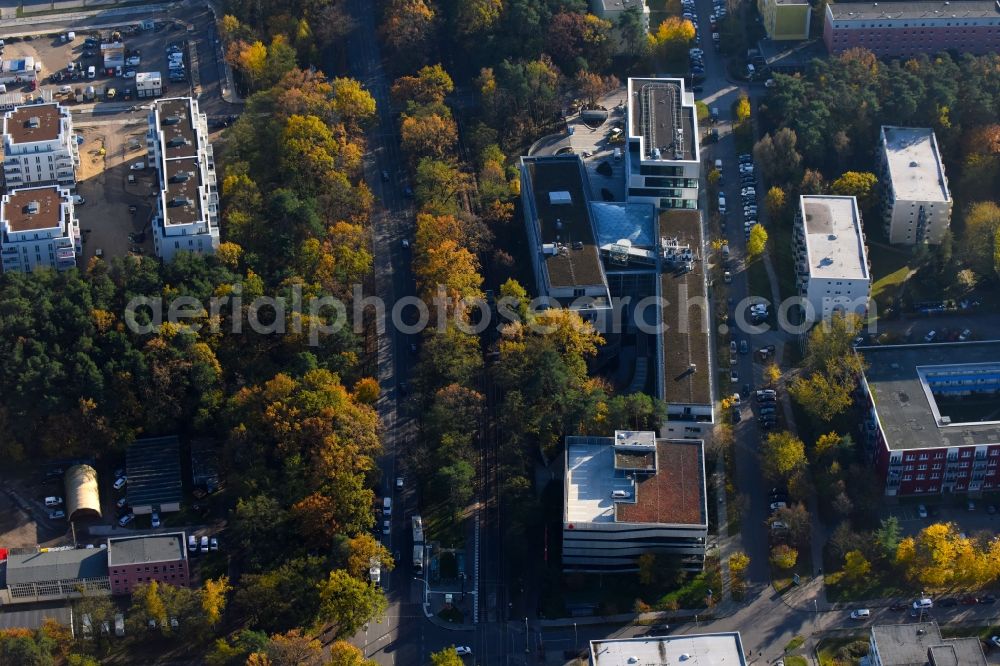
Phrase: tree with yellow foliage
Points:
(433, 135)
(672, 37)
(213, 598)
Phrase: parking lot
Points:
(56, 56)
(943, 511)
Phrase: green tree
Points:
(784, 557)
(797, 520)
(781, 455)
(777, 156)
(631, 27)
(856, 566)
(757, 242)
(347, 603)
(774, 203)
(888, 535)
(979, 243)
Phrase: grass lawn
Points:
(872, 587)
(842, 651)
(795, 643)
(889, 270)
(796, 660)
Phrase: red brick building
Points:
(140, 559)
(932, 423)
(905, 29)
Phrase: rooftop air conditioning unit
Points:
(34, 121)
(33, 207)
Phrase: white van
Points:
(619, 494)
(91, 72)
(387, 506)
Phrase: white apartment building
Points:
(39, 146)
(612, 10)
(187, 213)
(916, 202)
(39, 229)
(663, 163)
(631, 494)
(830, 256)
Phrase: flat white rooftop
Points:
(914, 164)
(590, 478)
(723, 649)
(835, 245)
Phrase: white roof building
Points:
(831, 258)
(39, 146)
(721, 649)
(917, 203)
(38, 229)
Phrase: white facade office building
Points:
(663, 163)
(631, 494)
(916, 202)
(39, 229)
(831, 260)
(39, 146)
(187, 212)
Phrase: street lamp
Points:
(576, 639)
(526, 648)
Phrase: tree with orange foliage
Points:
(432, 135)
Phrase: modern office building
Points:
(663, 162)
(631, 494)
(785, 19)
(39, 229)
(830, 256)
(902, 29)
(932, 417)
(47, 574)
(683, 345)
(141, 559)
(921, 643)
(916, 202)
(721, 649)
(612, 10)
(564, 252)
(39, 147)
(187, 210)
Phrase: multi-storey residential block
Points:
(141, 559)
(631, 494)
(916, 202)
(39, 146)
(561, 235)
(910, 28)
(921, 643)
(39, 229)
(663, 163)
(683, 339)
(785, 19)
(830, 256)
(612, 10)
(187, 212)
(722, 649)
(931, 426)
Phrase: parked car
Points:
(126, 519)
(463, 651)
(53, 501)
(58, 514)
(120, 482)
(861, 614)
(155, 520)
(192, 544)
(204, 544)
(995, 641)
(137, 166)
(930, 336)
(921, 510)
(122, 502)
(925, 602)
(213, 544)
(966, 335)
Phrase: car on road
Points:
(921, 510)
(405, 243)
(861, 614)
(930, 336)
(732, 346)
(463, 650)
(126, 519)
(399, 483)
(924, 602)
(966, 335)
(386, 526)
(137, 166)
(120, 482)
(734, 378)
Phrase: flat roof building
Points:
(887, 29)
(785, 19)
(141, 559)
(187, 216)
(933, 416)
(663, 164)
(631, 494)
(612, 10)
(683, 343)
(721, 649)
(39, 146)
(153, 467)
(39, 229)
(916, 202)
(921, 643)
(561, 235)
(47, 574)
(830, 255)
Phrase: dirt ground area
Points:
(18, 528)
(108, 217)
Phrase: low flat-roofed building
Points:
(187, 215)
(612, 10)
(631, 494)
(39, 146)
(561, 236)
(721, 649)
(663, 161)
(785, 19)
(141, 559)
(916, 201)
(683, 344)
(148, 84)
(933, 416)
(34, 616)
(921, 644)
(153, 467)
(830, 255)
(47, 574)
(39, 229)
